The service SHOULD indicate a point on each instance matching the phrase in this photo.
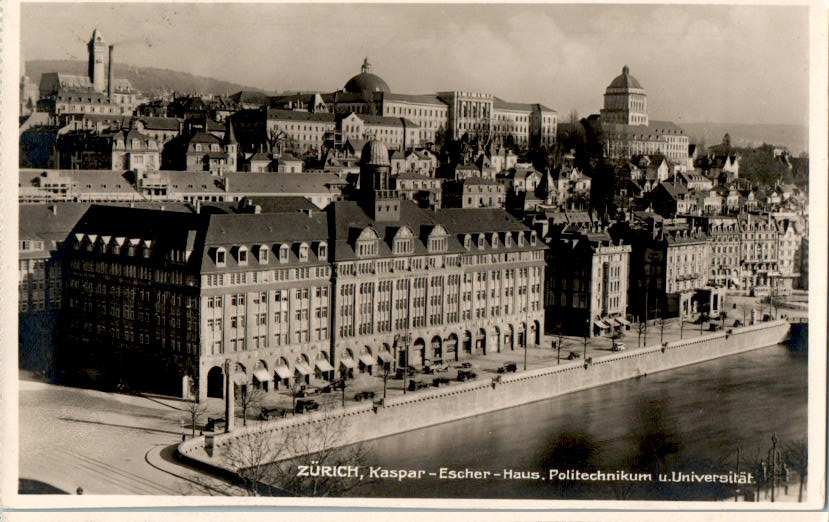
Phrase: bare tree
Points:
(249, 398)
(194, 410)
(318, 445)
(251, 455)
(796, 456)
(290, 463)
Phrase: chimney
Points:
(109, 74)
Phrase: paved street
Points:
(71, 437)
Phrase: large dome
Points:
(375, 154)
(624, 81)
(366, 81)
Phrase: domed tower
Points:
(625, 101)
(378, 190)
(97, 61)
(366, 82)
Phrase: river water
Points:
(691, 419)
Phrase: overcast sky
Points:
(744, 64)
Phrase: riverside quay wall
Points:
(438, 405)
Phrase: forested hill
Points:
(148, 80)
(793, 137)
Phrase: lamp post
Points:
(773, 454)
(386, 370)
(586, 334)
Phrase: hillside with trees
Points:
(148, 80)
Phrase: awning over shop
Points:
(303, 368)
(385, 357)
(284, 372)
(601, 324)
(323, 365)
(348, 362)
(261, 375)
(623, 321)
(366, 359)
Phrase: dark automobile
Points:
(738, 323)
(300, 392)
(306, 405)
(440, 381)
(408, 372)
(465, 375)
(509, 366)
(574, 355)
(272, 413)
(713, 327)
(363, 395)
(466, 365)
(417, 385)
(214, 424)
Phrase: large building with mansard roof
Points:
(162, 300)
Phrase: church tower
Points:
(378, 192)
(97, 61)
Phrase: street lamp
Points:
(773, 455)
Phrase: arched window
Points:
(303, 252)
(242, 256)
(221, 256)
(283, 253)
(322, 251)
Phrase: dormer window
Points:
(322, 252)
(303, 252)
(467, 242)
(480, 241)
(508, 240)
(403, 242)
(242, 256)
(263, 255)
(221, 257)
(494, 240)
(283, 253)
(533, 238)
(366, 245)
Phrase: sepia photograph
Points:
(400, 254)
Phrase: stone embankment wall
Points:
(438, 405)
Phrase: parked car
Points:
(214, 424)
(574, 355)
(737, 323)
(440, 368)
(509, 366)
(618, 347)
(417, 385)
(440, 381)
(300, 392)
(465, 375)
(365, 394)
(466, 365)
(713, 327)
(306, 405)
(408, 372)
(272, 413)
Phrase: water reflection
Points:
(690, 419)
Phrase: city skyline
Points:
(571, 52)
